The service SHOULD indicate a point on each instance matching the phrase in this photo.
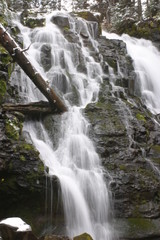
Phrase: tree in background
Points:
(139, 10)
(120, 11)
(152, 8)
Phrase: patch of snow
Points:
(17, 223)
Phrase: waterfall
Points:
(146, 60)
(72, 158)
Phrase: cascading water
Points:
(74, 160)
(146, 58)
(146, 61)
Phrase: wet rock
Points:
(61, 21)
(46, 57)
(122, 133)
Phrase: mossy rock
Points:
(87, 16)
(122, 167)
(140, 224)
(34, 22)
(12, 128)
(138, 228)
(84, 236)
(24, 147)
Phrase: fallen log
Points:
(19, 56)
(33, 109)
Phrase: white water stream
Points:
(75, 161)
(146, 58)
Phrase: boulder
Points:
(16, 229)
(61, 21)
(84, 236)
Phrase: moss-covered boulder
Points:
(84, 236)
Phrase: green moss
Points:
(141, 223)
(156, 148)
(12, 129)
(3, 50)
(41, 168)
(83, 236)
(22, 158)
(100, 105)
(156, 160)
(10, 69)
(3, 89)
(5, 58)
(148, 174)
(112, 63)
(66, 28)
(84, 15)
(3, 21)
(28, 147)
(34, 22)
(122, 167)
(140, 117)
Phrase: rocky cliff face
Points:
(127, 139)
(124, 132)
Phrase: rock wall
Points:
(127, 139)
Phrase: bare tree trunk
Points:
(139, 10)
(19, 56)
(34, 108)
